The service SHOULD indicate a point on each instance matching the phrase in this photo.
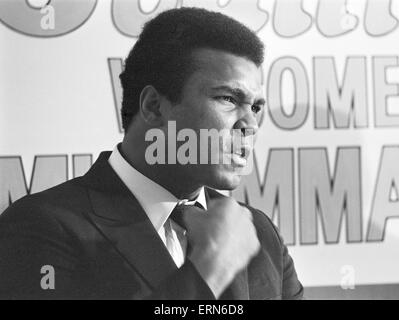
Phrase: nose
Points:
(247, 123)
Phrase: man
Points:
(113, 233)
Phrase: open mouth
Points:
(244, 152)
(240, 155)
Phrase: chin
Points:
(224, 180)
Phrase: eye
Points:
(227, 98)
(256, 108)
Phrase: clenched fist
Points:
(223, 240)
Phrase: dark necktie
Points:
(179, 211)
(177, 216)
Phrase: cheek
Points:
(214, 117)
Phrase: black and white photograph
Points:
(206, 150)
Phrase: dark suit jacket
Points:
(101, 244)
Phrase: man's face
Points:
(224, 92)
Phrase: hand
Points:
(223, 240)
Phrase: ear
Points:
(150, 106)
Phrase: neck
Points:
(166, 175)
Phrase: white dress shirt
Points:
(157, 203)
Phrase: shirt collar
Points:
(156, 201)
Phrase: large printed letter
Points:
(384, 207)
(340, 101)
(330, 197)
(66, 16)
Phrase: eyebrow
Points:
(238, 92)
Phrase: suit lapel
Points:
(122, 220)
(238, 289)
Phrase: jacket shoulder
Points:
(67, 196)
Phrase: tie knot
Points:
(179, 211)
